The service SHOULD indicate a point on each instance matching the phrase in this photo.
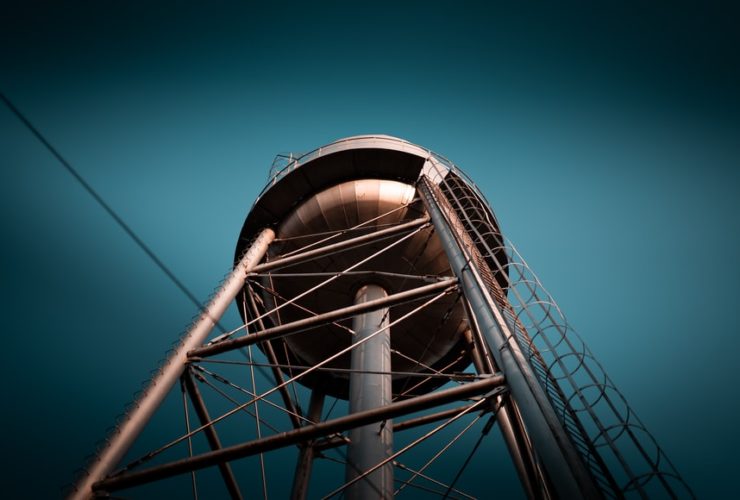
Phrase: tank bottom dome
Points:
(429, 341)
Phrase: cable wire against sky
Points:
(105, 206)
(114, 215)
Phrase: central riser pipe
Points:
(370, 444)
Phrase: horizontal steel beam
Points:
(313, 321)
(341, 440)
(341, 245)
(428, 419)
(304, 434)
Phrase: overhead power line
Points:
(99, 199)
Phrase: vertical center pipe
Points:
(370, 444)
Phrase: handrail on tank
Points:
(331, 148)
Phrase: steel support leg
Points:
(170, 372)
(513, 433)
(210, 432)
(559, 457)
(307, 450)
(290, 405)
(370, 444)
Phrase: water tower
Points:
(373, 271)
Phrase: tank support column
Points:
(170, 372)
(370, 444)
(561, 462)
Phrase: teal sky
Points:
(605, 139)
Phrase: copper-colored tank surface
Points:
(366, 179)
(428, 339)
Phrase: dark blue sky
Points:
(605, 138)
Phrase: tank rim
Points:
(259, 215)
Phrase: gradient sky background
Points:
(606, 139)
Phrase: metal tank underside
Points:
(337, 191)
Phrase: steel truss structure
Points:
(568, 430)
